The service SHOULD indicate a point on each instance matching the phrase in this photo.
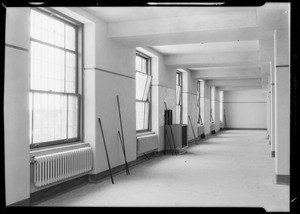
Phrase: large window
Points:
(54, 97)
(143, 92)
(178, 97)
(199, 104)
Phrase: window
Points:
(143, 94)
(178, 97)
(199, 105)
(54, 97)
(212, 104)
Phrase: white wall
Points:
(282, 101)
(245, 109)
(190, 104)
(111, 73)
(16, 105)
(217, 110)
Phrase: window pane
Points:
(139, 115)
(147, 88)
(141, 80)
(142, 115)
(47, 68)
(146, 115)
(49, 117)
(144, 66)
(73, 116)
(138, 63)
(178, 95)
(47, 29)
(70, 37)
(70, 72)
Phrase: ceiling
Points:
(124, 14)
(218, 44)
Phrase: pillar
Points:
(282, 105)
(272, 111)
(16, 106)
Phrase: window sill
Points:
(142, 134)
(57, 148)
(199, 125)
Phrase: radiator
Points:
(147, 143)
(59, 166)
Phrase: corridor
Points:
(230, 169)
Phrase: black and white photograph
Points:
(153, 105)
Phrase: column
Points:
(16, 106)
(272, 125)
(282, 106)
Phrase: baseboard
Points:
(94, 178)
(141, 158)
(207, 135)
(282, 179)
(273, 154)
(44, 194)
(194, 141)
(245, 128)
(23, 203)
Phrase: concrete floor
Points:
(231, 169)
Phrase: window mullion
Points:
(51, 45)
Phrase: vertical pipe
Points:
(122, 144)
(165, 131)
(121, 126)
(111, 177)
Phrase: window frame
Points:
(78, 93)
(149, 73)
(179, 83)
